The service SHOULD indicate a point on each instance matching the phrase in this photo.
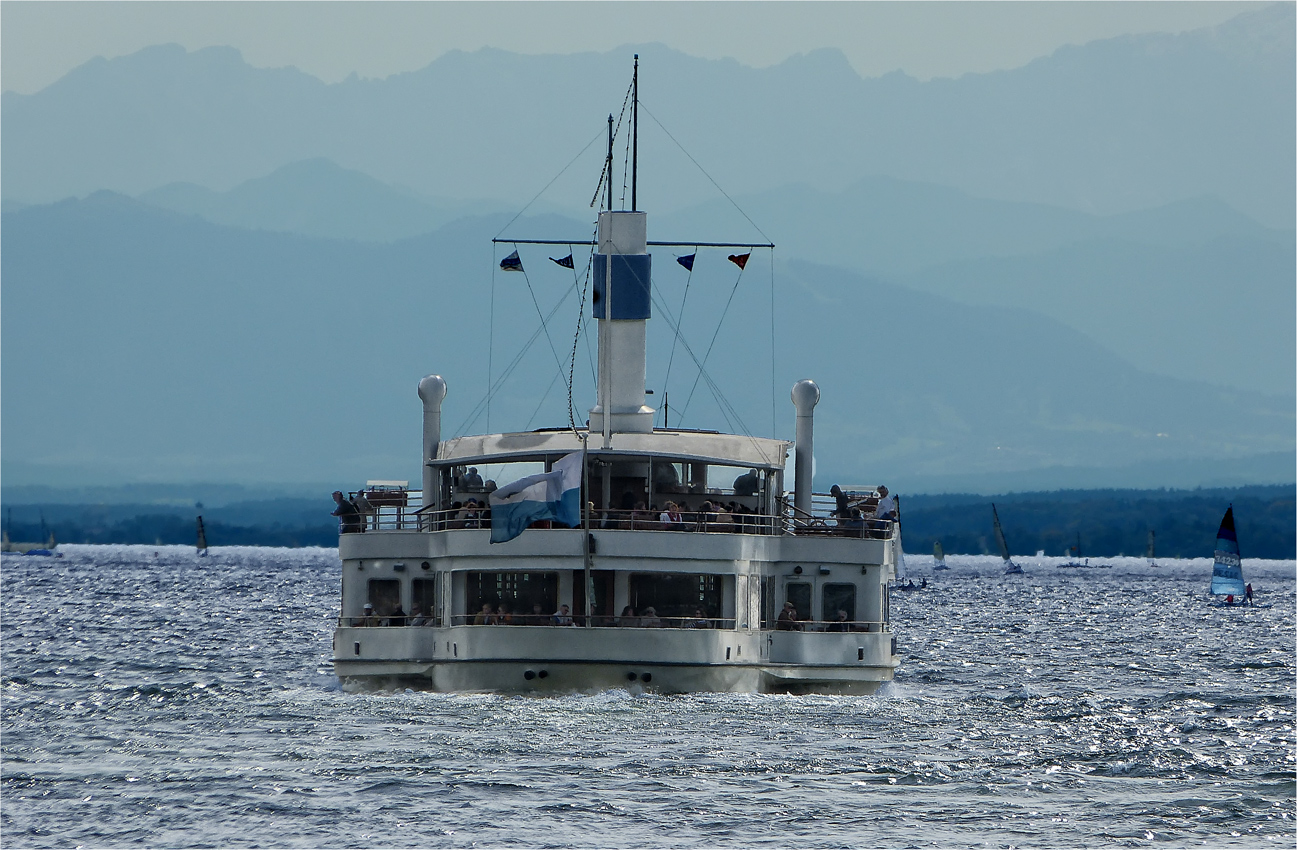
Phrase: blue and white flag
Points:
(512, 263)
(687, 261)
(1227, 572)
(554, 495)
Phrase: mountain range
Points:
(142, 341)
(1076, 273)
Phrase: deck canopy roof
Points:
(693, 446)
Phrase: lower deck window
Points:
(423, 599)
(838, 597)
(384, 595)
(677, 599)
(521, 597)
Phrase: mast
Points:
(634, 135)
(608, 166)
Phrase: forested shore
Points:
(1108, 522)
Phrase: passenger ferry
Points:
(670, 560)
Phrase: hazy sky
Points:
(42, 41)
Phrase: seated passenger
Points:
(502, 615)
(397, 617)
(787, 621)
(367, 618)
(650, 619)
(485, 617)
(670, 517)
(473, 481)
(416, 616)
(699, 620)
(627, 617)
(747, 484)
(724, 519)
(839, 623)
(886, 505)
(563, 616)
(537, 616)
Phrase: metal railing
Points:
(407, 513)
(600, 621)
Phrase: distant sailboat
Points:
(939, 557)
(49, 547)
(1227, 573)
(1152, 559)
(1010, 568)
(202, 538)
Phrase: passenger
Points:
(563, 616)
(855, 523)
(671, 518)
(642, 517)
(416, 616)
(724, 519)
(485, 617)
(470, 516)
(706, 515)
(368, 618)
(502, 616)
(700, 620)
(365, 510)
(787, 621)
(628, 618)
(886, 505)
(840, 623)
(473, 481)
(747, 484)
(650, 619)
(843, 508)
(490, 486)
(397, 617)
(348, 517)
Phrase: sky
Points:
(40, 41)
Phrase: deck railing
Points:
(599, 621)
(405, 512)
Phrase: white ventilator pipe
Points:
(432, 389)
(806, 394)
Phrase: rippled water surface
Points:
(151, 698)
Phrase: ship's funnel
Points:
(806, 394)
(622, 293)
(432, 390)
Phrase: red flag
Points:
(740, 260)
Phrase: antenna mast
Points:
(634, 119)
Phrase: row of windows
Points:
(669, 594)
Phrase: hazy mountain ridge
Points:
(195, 349)
(1109, 126)
(1146, 284)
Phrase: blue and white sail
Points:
(553, 495)
(1227, 574)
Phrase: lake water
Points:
(151, 698)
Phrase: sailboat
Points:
(939, 557)
(46, 548)
(202, 539)
(1010, 568)
(1227, 573)
(1077, 560)
(1152, 559)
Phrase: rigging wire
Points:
(605, 172)
(576, 337)
(550, 183)
(474, 414)
(705, 174)
(688, 281)
(557, 360)
(712, 344)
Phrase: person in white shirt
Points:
(886, 504)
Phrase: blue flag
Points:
(687, 262)
(566, 262)
(512, 263)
